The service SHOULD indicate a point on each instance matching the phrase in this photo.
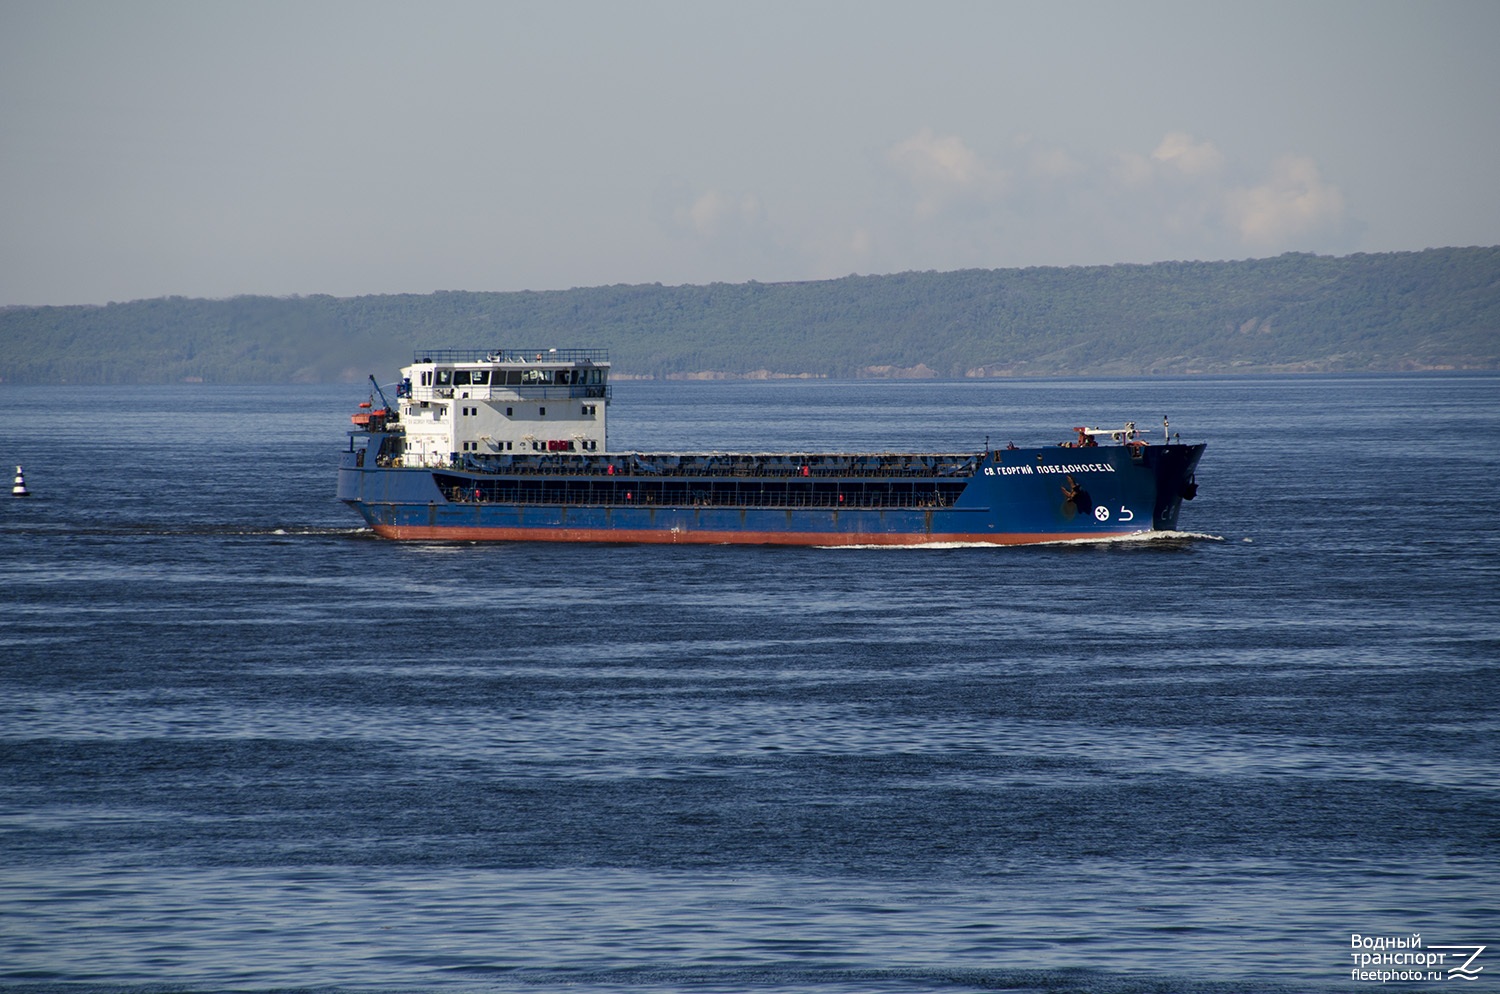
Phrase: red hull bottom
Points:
(683, 537)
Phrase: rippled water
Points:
(245, 746)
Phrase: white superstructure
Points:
(458, 402)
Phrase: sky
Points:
(214, 148)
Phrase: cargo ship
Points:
(510, 445)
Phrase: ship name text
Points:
(1084, 467)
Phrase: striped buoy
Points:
(19, 490)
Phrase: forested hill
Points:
(1436, 309)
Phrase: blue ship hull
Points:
(1005, 497)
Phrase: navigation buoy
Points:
(19, 490)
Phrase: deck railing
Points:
(955, 468)
(511, 355)
(774, 501)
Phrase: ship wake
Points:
(1174, 539)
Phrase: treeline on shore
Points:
(1434, 309)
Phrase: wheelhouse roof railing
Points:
(512, 355)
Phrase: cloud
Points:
(862, 243)
(1132, 170)
(944, 171)
(714, 212)
(1024, 202)
(1186, 155)
(1202, 199)
(1055, 164)
(1293, 202)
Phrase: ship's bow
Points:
(1175, 467)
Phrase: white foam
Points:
(1141, 536)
